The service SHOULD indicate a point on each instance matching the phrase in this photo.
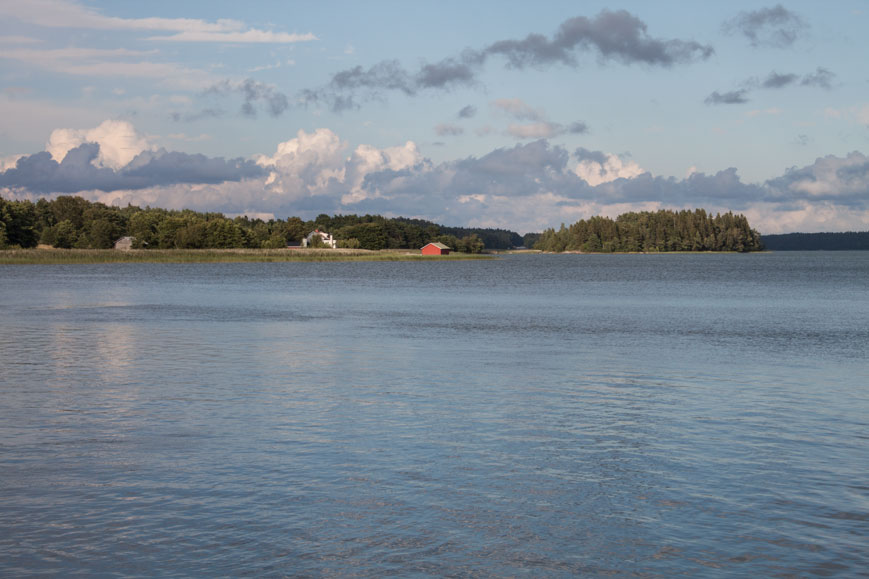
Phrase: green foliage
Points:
(316, 242)
(846, 240)
(351, 243)
(102, 233)
(659, 231)
(471, 244)
(73, 222)
(276, 241)
(144, 225)
(69, 208)
(371, 235)
(529, 239)
(65, 235)
(18, 224)
(491, 238)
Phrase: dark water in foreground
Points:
(672, 415)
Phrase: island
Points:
(90, 229)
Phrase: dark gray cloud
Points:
(722, 188)
(371, 83)
(577, 128)
(40, 173)
(610, 36)
(446, 74)
(733, 97)
(822, 78)
(614, 36)
(467, 112)
(520, 162)
(256, 95)
(776, 26)
(170, 167)
(386, 75)
(583, 154)
(775, 80)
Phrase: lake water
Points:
(628, 415)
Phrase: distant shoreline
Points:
(52, 256)
(578, 252)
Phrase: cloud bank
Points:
(527, 187)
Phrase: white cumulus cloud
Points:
(317, 163)
(596, 171)
(118, 140)
(8, 162)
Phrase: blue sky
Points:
(503, 114)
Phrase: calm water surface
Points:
(635, 415)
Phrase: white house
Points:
(326, 238)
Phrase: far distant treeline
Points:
(658, 231)
(817, 241)
(74, 222)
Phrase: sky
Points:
(505, 114)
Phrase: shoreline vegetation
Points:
(76, 226)
(837, 241)
(46, 255)
(662, 231)
(70, 222)
(52, 256)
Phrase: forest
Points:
(658, 231)
(845, 240)
(74, 222)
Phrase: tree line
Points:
(846, 240)
(658, 231)
(74, 222)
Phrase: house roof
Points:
(438, 245)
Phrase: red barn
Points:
(435, 249)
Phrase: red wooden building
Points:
(435, 249)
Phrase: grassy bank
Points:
(74, 256)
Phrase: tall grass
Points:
(85, 256)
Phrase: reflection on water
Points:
(545, 415)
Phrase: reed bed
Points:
(92, 256)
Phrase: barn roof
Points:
(438, 245)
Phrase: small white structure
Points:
(125, 243)
(326, 238)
